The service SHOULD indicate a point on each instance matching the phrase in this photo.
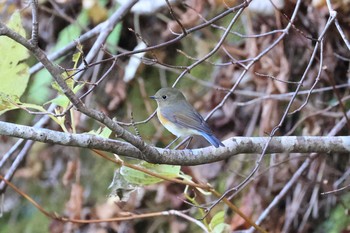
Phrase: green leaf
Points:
(114, 37)
(75, 59)
(140, 178)
(72, 31)
(221, 228)
(104, 132)
(62, 100)
(7, 102)
(14, 72)
(11, 102)
(189, 179)
(217, 223)
(39, 90)
(69, 81)
(56, 87)
(338, 219)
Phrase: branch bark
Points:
(233, 146)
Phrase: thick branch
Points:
(234, 146)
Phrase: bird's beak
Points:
(153, 97)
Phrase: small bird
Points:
(180, 118)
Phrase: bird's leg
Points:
(167, 147)
(183, 142)
(188, 143)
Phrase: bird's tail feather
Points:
(213, 140)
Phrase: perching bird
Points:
(180, 118)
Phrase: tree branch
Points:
(56, 72)
(234, 146)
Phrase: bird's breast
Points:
(161, 118)
(175, 128)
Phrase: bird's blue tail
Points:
(212, 140)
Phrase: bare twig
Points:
(336, 190)
(341, 104)
(176, 19)
(315, 193)
(15, 165)
(340, 30)
(215, 49)
(35, 23)
(340, 125)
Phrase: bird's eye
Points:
(164, 97)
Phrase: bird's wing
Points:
(188, 118)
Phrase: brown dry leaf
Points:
(343, 6)
(117, 91)
(205, 172)
(311, 127)
(229, 112)
(282, 75)
(108, 209)
(251, 43)
(270, 112)
(62, 1)
(77, 118)
(225, 3)
(275, 64)
(167, 192)
(250, 206)
(34, 163)
(318, 3)
(75, 203)
(203, 47)
(234, 51)
(134, 200)
(70, 172)
(188, 19)
(98, 230)
(33, 170)
(56, 226)
(284, 71)
(177, 226)
(97, 13)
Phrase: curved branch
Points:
(233, 146)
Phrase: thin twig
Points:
(214, 50)
(341, 104)
(176, 19)
(35, 23)
(11, 171)
(340, 30)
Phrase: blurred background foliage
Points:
(59, 178)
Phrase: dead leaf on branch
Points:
(188, 19)
(116, 89)
(75, 203)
